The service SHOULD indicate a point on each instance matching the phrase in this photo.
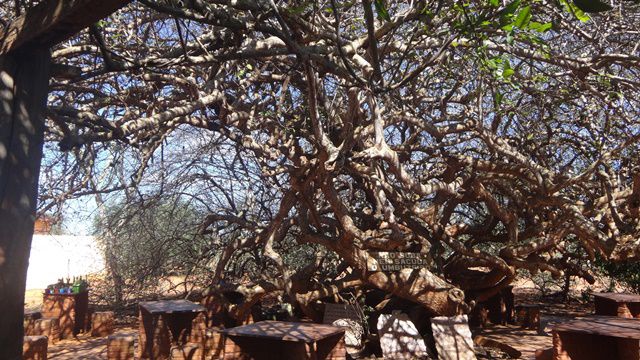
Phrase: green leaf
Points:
(510, 8)
(506, 15)
(573, 9)
(506, 73)
(523, 18)
(494, 3)
(498, 98)
(382, 10)
(508, 27)
(510, 38)
(493, 63)
(540, 27)
(592, 6)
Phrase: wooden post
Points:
(24, 79)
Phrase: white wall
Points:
(56, 256)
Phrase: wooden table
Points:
(597, 337)
(617, 304)
(165, 323)
(70, 309)
(284, 340)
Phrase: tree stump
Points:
(35, 347)
(120, 347)
(102, 323)
(49, 327)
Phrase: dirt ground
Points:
(85, 347)
(553, 312)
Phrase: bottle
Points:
(76, 285)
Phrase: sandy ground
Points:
(552, 313)
(523, 340)
(33, 299)
(85, 347)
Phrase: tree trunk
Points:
(24, 77)
(566, 287)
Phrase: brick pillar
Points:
(213, 344)
(49, 327)
(30, 322)
(35, 348)
(120, 347)
(102, 323)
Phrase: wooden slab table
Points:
(617, 304)
(597, 337)
(266, 340)
(165, 323)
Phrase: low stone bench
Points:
(186, 352)
(49, 327)
(120, 347)
(528, 316)
(35, 347)
(30, 321)
(102, 323)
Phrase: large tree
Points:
(494, 136)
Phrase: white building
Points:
(61, 256)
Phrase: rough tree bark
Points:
(24, 77)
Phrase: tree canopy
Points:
(492, 135)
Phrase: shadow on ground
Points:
(84, 347)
